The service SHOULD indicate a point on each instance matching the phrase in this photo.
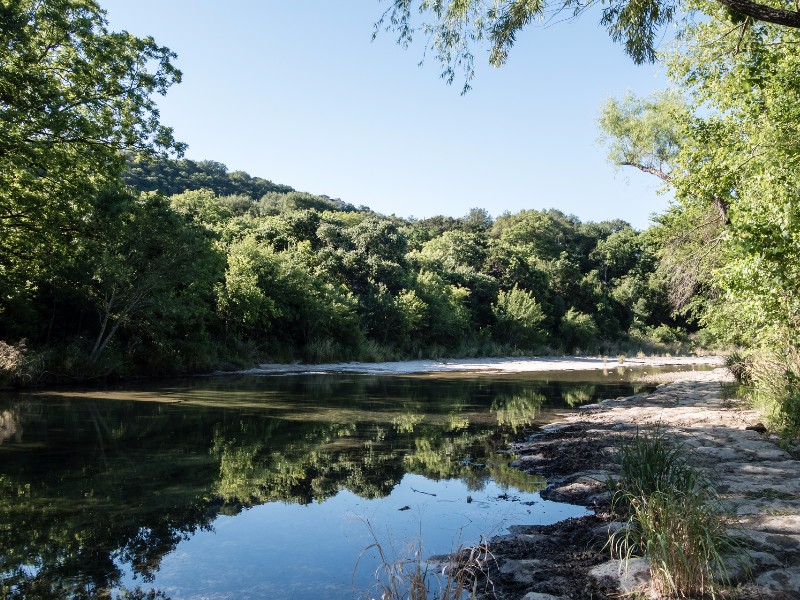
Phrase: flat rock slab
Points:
(757, 479)
(781, 583)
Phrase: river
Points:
(273, 486)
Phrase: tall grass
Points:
(411, 577)
(674, 518)
(775, 378)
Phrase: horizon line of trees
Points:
(158, 284)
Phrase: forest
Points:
(119, 258)
(216, 276)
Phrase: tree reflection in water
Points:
(96, 482)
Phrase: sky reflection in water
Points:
(242, 487)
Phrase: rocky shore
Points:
(757, 477)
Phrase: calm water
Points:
(265, 487)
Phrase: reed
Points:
(457, 576)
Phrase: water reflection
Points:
(99, 486)
(578, 394)
(518, 410)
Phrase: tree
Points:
(519, 318)
(730, 242)
(149, 173)
(645, 133)
(454, 28)
(453, 250)
(72, 96)
(151, 271)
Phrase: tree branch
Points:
(762, 12)
(652, 170)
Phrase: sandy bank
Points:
(484, 365)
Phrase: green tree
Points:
(578, 331)
(453, 250)
(72, 96)
(152, 273)
(730, 243)
(453, 29)
(148, 173)
(519, 319)
(645, 133)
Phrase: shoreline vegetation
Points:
(310, 282)
(234, 270)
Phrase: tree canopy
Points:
(729, 244)
(72, 95)
(453, 29)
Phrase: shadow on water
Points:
(108, 489)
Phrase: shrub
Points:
(519, 319)
(578, 330)
(740, 366)
(12, 363)
(322, 351)
(775, 376)
(664, 334)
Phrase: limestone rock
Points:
(634, 577)
(780, 581)
(540, 596)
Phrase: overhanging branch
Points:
(652, 170)
(762, 12)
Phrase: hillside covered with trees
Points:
(164, 283)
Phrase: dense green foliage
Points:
(197, 279)
(115, 259)
(72, 95)
(170, 285)
(728, 148)
(152, 174)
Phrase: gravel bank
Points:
(485, 365)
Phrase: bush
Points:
(664, 334)
(322, 351)
(740, 366)
(775, 392)
(12, 363)
(578, 330)
(519, 319)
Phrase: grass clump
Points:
(455, 577)
(674, 518)
(775, 390)
(770, 379)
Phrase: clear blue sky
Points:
(296, 92)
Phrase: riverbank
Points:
(487, 365)
(759, 481)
